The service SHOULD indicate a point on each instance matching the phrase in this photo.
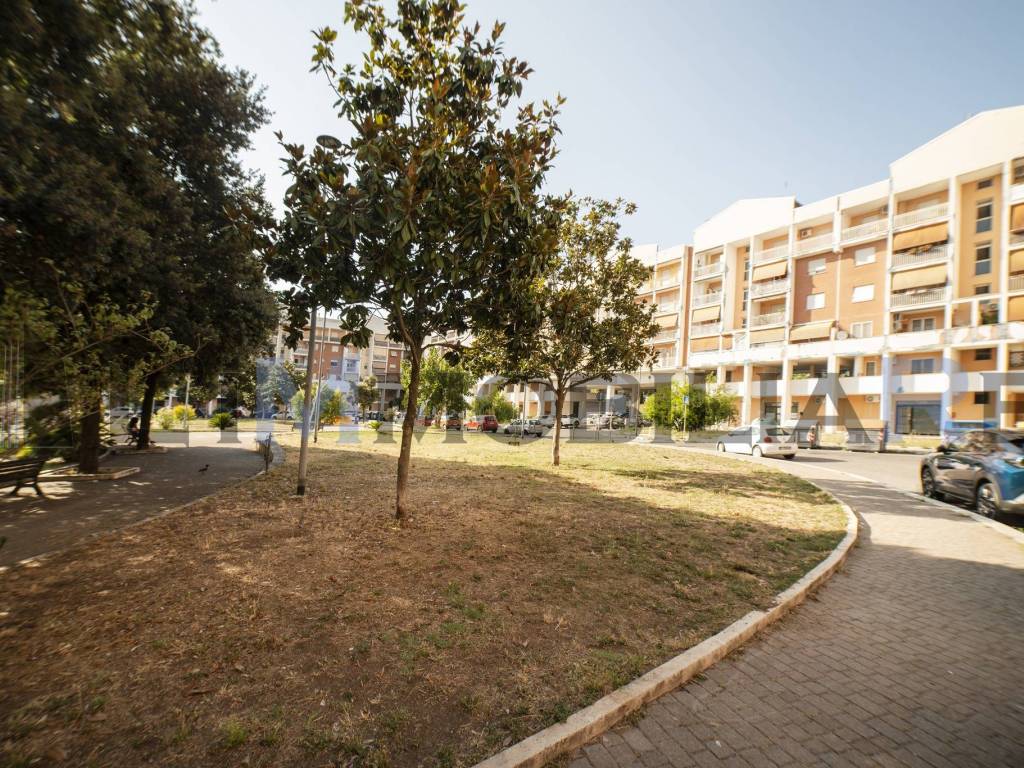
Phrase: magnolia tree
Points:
(592, 321)
(437, 191)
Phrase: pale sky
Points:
(684, 107)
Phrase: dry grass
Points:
(517, 594)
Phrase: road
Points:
(910, 656)
(70, 512)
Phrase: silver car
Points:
(760, 440)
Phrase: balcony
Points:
(868, 229)
(1016, 282)
(704, 299)
(1016, 240)
(771, 254)
(705, 329)
(666, 308)
(663, 336)
(921, 216)
(772, 318)
(769, 288)
(1017, 193)
(916, 298)
(665, 360)
(814, 244)
(935, 255)
(704, 271)
(667, 281)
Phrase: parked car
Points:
(120, 412)
(281, 415)
(486, 423)
(760, 440)
(984, 467)
(606, 420)
(547, 421)
(453, 422)
(531, 427)
(570, 421)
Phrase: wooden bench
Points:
(21, 472)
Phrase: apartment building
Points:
(901, 301)
(334, 362)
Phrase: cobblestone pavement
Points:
(72, 511)
(912, 655)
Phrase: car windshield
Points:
(1017, 442)
(777, 432)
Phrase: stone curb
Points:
(590, 722)
(38, 560)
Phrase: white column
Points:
(785, 398)
(951, 270)
(886, 278)
(831, 404)
(748, 386)
(720, 375)
(949, 367)
(1004, 246)
(1003, 413)
(885, 410)
(609, 395)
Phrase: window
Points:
(922, 324)
(983, 354)
(816, 301)
(984, 183)
(918, 418)
(982, 398)
(870, 368)
(863, 293)
(981, 290)
(815, 266)
(983, 222)
(864, 256)
(1018, 171)
(983, 259)
(862, 330)
(923, 365)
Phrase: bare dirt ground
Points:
(225, 634)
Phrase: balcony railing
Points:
(663, 336)
(934, 255)
(772, 318)
(814, 244)
(667, 360)
(769, 288)
(921, 215)
(914, 298)
(1017, 193)
(1017, 282)
(771, 254)
(667, 280)
(867, 229)
(704, 299)
(708, 270)
(1016, 239)
(705, 329)
(666, 308)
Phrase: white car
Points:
(760, 440)
(547, 422)
(570, 421)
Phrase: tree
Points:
(443, 385)
(366, 393)
(447, 167)
(277, 383)
(593, 323)
(682, 407)
(496, 404)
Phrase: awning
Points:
(1015, 308)
(668, 321)
(706, 314)
(811, 331)
(1017, 261)
(1017, 218)
(763, 337)
(768, 271)
(919, 278)
(915, 238)
(704, 345)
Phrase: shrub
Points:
(374, 425)
(222, 421)
(183, 413)
(165, 417)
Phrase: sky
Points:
(684, 107)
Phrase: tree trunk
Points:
(405, 454)
(89, 447)
(556, 456)
(146, 419)
(306, 413)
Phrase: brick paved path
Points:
(912, 655)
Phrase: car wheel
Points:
(721, 447)
(756, 452)
(790, 456)
(985, 500)
(928, 486)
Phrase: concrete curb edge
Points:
(584, 725)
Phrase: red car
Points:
(453, 422)
(483, 423)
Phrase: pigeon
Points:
(203, 469)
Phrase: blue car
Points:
(983, 466)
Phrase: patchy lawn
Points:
(517, 594)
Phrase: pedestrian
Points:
(133, 430)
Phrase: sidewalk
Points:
(72, 511)
(912, 655)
